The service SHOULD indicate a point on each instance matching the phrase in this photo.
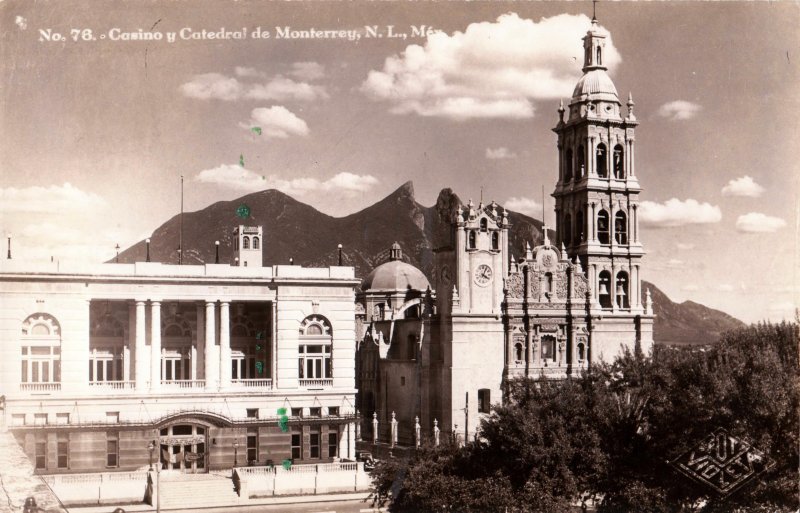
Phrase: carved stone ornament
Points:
(561, 286)
(515, 286)
(360, 309)
(580, 285)
(548, 328)
(533, 286)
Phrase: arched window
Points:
(411, 348)
(471, 241)
(603, 228)
(314, 353)
(547, 284)
(518, 352)
(567, 230)
(580, 234)
(41, 350)
(484, 225)
(619, 168)
(621, 227)
(581, 170)
(581, 351)
(255, 242)
(549, 348)
(604, 289)
(495, 241)
(599, 56)
(246, 243)
(568, 165)
(602, 160)
(622, 291)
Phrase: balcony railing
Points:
(251, 383)
(316, 382)
(183, 384)
(39, 387)
(112, 385)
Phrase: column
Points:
(198, 357)
(224, 345)
(139, 337)
(155, 345)
(210, 331)
(129, 341)
(593, 222)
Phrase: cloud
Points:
(724, 287)
(675, 212)
(213, 86)
(690, 288)
(238, 178)
(21, 22)
(282, 88)
(527, 206)
(744, 186)
(278, 122)
(679, 110)
(491, 70)
(756, 222)
(500, 153)
(254, 85)
(684, 245)
(53, 199)
(307, 71)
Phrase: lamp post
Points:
(117, 248)
(152, 448)
(236, 452)
(340, 255)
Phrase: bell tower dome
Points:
(597, 192)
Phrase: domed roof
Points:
(595, 81)
(395, 275)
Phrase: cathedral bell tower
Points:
(597, 194)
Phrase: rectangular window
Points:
(112, 417)
(39, 419)
(24, 371)
(484, 400)
(314, 361)
(252, 445)
(252, 413)
(333, 411)
(315, 412)
(112, 450)
(297, 448)
(40, 453)
(18, 419)
(333, 444)
(62, 418)
(402, 381)
(62, 451)
(313, 445)
(297, 412)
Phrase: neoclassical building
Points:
(110, 366)
(443, 351)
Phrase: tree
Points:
(609, 433)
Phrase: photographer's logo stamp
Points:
(722, 462)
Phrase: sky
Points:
(104, 106)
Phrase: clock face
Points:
(445, 275)
(483, 274)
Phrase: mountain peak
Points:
(405, 190)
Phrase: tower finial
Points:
(594, 11)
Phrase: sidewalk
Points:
(268, 501)
(18, 480)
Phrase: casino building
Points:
(112, 366)
(441, 353)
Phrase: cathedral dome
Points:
(594, 82)
(395, 275)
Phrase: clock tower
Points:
(469, 279)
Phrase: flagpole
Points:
(180, 236)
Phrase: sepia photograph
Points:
(399, 256)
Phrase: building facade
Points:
(117, 366)
(441, 356)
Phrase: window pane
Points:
(314, 445)
(100, 371)
(57, 371)
(333, 441)
(168, 365)
(318, 368)
(45, 372)
(301, 367)
(235, 369)
(24, 371)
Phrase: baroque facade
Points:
(441, 354)
(200, 367)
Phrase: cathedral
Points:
(435, 356)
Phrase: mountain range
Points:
(297, 231)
